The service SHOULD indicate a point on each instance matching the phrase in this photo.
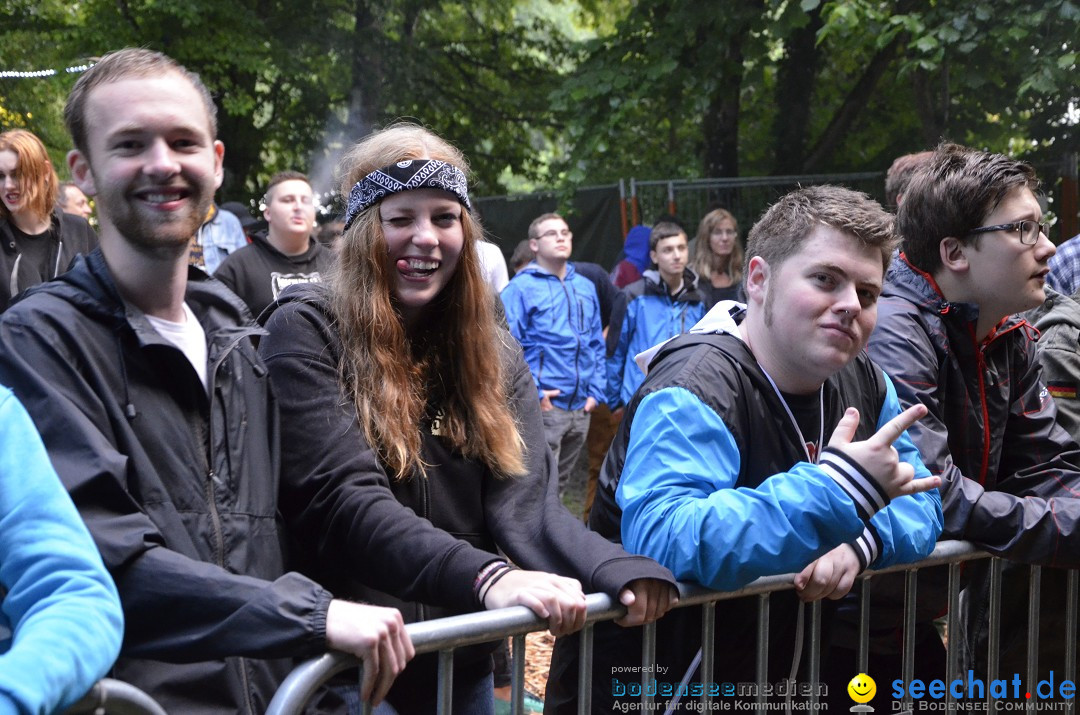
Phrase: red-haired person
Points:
(38, 241)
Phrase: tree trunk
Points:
(721, 122)
(365, 97)
(932, 108)
(794, 94)
(856, 100)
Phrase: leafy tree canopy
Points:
(557, 93)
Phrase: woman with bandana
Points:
(419, 447)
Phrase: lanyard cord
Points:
(795, 424)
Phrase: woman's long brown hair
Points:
(706, 262)
(455, 356)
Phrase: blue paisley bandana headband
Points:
(406, 176)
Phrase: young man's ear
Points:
(954, 254)
(81, 176)
(757, 279)
(534, 245)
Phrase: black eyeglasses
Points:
(554, 233)
(1029, 231)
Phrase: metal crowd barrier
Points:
(446, 634)
(114, 697)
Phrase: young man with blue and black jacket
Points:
(765, 442)
(555, 315)
(660, 305)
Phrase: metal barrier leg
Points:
(762, 664)
(708, 644)
(585, 657)
(864, 626)
(814, 662)
(994, 637)
(446, 682)
(517, 676)
(648, 659)
(1071, 585)
(1034, 596)
(952, 651)
(909, 633)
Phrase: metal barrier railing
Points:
(115, 697)
(446, 634)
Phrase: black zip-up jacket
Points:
(70, 236)
(1010, 473)
(991, 432)
(179, 491)
(423, 540)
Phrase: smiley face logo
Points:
(862, 688)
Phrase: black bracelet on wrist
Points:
(493, 580)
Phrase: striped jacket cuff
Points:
(867, 494)
(867, 547)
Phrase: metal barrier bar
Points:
(445, 634)
(757, 180)
(116, 698)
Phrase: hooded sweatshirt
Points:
(25, 262)
(259, 272)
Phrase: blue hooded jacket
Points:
(60, 618)
(557, 323)
(645, 314)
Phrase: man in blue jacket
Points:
(660, 305)
(554, 313)
(766, 442)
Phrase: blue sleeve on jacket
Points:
(616, 363)
(680, 505)
(598, 381)
(60, 604)
(517, 318)
(908, 529)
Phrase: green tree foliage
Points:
(31, 40)
(477, 72)
(562, 92)
(678, 89)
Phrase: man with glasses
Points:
(554, 313)
(975, 252)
